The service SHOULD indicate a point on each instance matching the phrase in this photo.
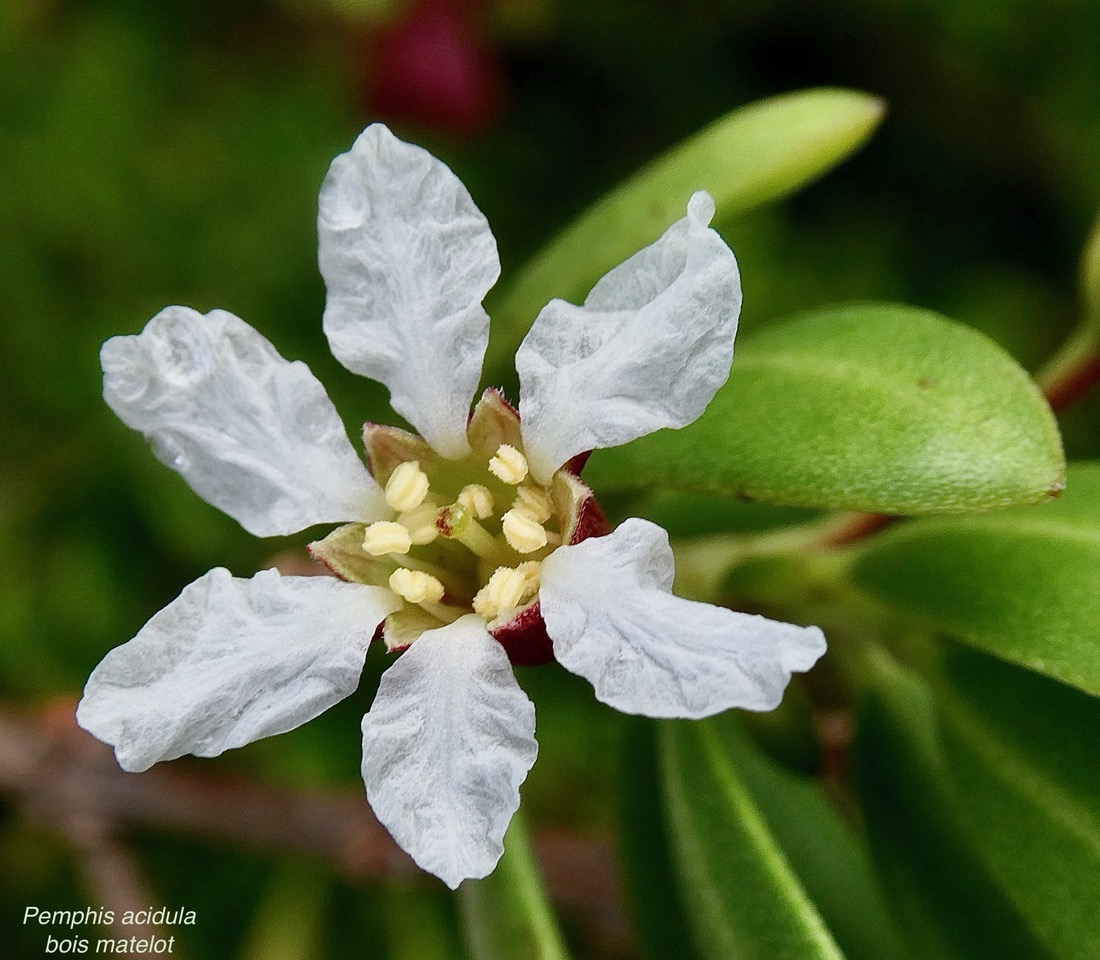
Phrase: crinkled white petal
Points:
(613, 621)
(446, 745)
(649, 348)
(230, 661)
(253, 434)
(407, 258)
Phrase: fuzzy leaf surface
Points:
(877, 407)
(1022, 584)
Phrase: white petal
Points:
(649, 348)
(230, 661)
(446, 745)
(407, 258)
(608, 610)
(253, 434)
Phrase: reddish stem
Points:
(1073, 384)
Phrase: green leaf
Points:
(297, 892)
(1022, 751)
(949, 905)
(748, 157)
(506, 916)
(1023, 584)
(831, 863)
(866, 407)
(419, 923)
(1090, 278)
(743, 898)
(657, 910)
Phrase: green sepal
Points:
(342, 552)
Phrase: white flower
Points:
(474, 545)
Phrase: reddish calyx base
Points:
(465, 536)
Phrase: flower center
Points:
(465, 536)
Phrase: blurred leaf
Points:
(1022, 752)
(830, 862)
(740, 892)
(1090, 277)
(866, 407)
(419, 924)
(296, 893)
(690, 513)
(657, 910)
(948, 904)
(1021, 584)
(748, 157)
(506, 916)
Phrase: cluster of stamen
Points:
(513, 581)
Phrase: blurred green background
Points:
(171, 153)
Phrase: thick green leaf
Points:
(506, 916)
(941, 889)
(829, 860)
(1023, 584)
(656, 908)
(1023, 754)
(748, 157)
(741, 894)
(866, 407)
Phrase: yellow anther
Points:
(509, 465)
(420, 522)
(535, 502)
(416, 586)
(531, 570)
(524, 535)
(507, 589)
(477, 499)
(384, 537)
(407, 486)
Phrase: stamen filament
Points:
(457, 523)
(442, 611)
(420, 522)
